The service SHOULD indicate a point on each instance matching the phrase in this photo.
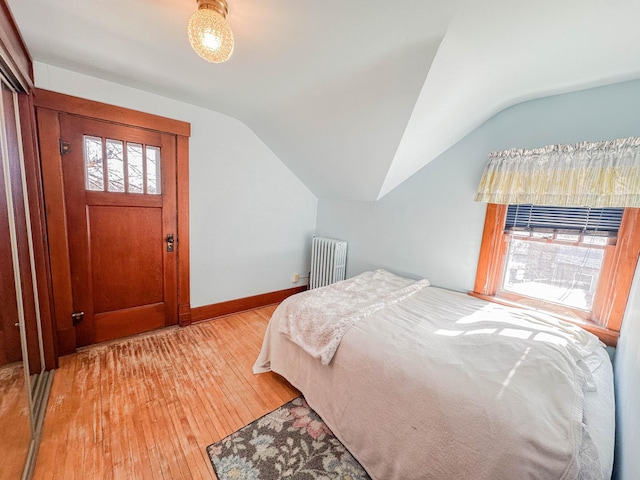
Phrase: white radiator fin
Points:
(328, 261)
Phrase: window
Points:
(578, 262)
(556, 254)
(545, 268)
(141, 177)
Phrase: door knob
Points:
(77, 317)
(170, 242)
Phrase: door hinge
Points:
(77, 317)
(65, 148)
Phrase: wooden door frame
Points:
(48, 106)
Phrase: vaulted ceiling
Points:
(354, 96)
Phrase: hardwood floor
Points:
(15, 428)
(146, 407)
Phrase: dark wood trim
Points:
(214, 310)
(184, 287)
(137, 199)
(184, 314)
(492, 250)
(616, 280)
(608, 336)
(56, 225)
(38, 228)
(109, 113)
(66, 340)
(14, 55)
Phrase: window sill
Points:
(607, 336)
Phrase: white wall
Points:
(429, 226)
(251, 218)
(627, 373)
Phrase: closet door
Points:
(23, 256)
(10, 345)
(19, 339)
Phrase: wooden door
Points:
(120, 202)
(17, 306)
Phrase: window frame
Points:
(613, 289)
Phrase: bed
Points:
(421, 382)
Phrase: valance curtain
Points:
(594, 174)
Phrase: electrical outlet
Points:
(295, 278)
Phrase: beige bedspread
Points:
(444, 386)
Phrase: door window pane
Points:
(115, 165)
(134, 166)
(153, 170)
(136, 172)
(94, 172)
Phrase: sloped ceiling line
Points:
(354, 97)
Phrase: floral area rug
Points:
(290, 442)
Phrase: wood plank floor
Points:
(15, 429)
(146, 407)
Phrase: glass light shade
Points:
(210, 35)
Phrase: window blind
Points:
(583, 220)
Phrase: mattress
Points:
(599, 410)
(377, 396)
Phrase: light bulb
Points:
(210, 35)
(211, 40)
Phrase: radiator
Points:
(328, 261)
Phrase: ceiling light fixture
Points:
(209, 33)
